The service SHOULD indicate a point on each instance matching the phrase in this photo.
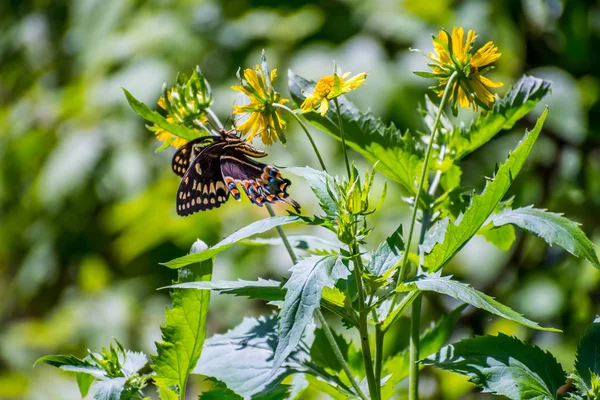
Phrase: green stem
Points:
(283, 236)
(413, 389)
(341, 124)
(424, 173)
(363, 326)
(308, 135)
(214, 117)
(338, 353)
(319, 314)
(379, 335)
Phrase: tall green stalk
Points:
(413, 388)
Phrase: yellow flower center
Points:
(325, 85)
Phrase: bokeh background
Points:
(87, 209)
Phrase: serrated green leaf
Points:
(521, 99)
(110, 389)
(312, 244)
(462, 291)
(73, 364)
(320, 182)
(242, 358)
(398, 156)
(552, 227)
(387, 255)
(588, 354)
(446, 238)
(267, 290)
(253, 229)
(430, 342)
(326, 388)
(152, 116)
(185, 329)
(503, 365)
(303, 296)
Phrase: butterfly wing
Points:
(202, 186)
(262, 183)
(185, 154)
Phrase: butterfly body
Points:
(213, 168)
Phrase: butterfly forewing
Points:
(185, 154)
(202, 186)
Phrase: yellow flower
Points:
(454, 54)
(329, 87)
(260, 117)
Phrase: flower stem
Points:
(363, 324)
(308, 135)
(341, 124)
(319, 314)
(214, 117)
(413, 389)
(338, 353)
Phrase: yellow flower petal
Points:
(324, 107)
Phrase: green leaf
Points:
(398, 156)
(464, 292)
(73, 364)
(110, 389)
(253, 229)
(430, 342)
(242, 358)
(502, 237)
(446, 238)
(185, 329)
(84, 381)
(320, 182)
(521, 99)
(312, 244)
(164, 393)
(145, 112)
(267, 290)
(588, 353)
(388, 254)
(303, 296)
(322, 354)
(503, 365)
(552, 227)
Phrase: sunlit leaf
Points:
(185, 328)
(462, 291)
(267, 290)
(446, 238)
(321, 184)
(552, 227)
(110, 389)
(387, 255)
(303, 296)
(250, 230)
(503, 365)
(145, 112)
(242, 358)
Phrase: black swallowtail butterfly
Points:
(212, 168)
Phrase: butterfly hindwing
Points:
(262, 183)
(202, 186)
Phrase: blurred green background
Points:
(87, 209)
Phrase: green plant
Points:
(365, 290)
